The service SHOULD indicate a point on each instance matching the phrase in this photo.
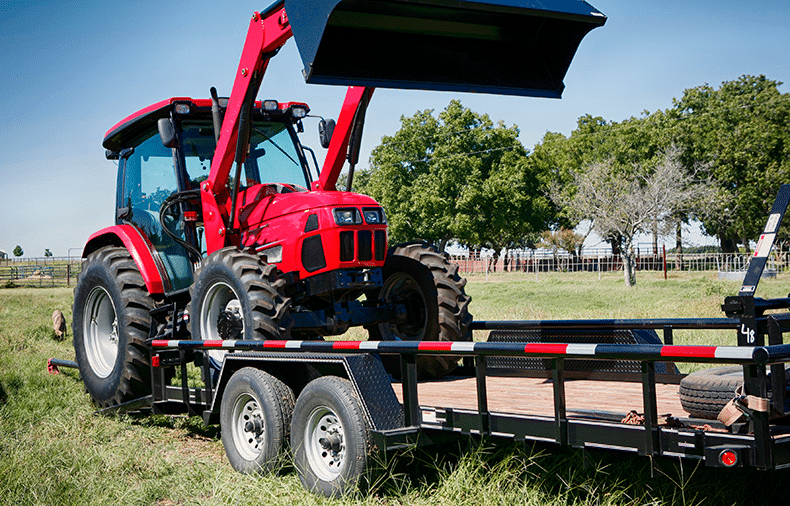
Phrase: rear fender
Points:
(138, 247)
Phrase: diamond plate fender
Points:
(365, 371)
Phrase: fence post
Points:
(665, 260)
(68, 274)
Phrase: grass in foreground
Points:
(54, 450)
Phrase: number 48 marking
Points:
(749, 333)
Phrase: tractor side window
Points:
(197, 139)
(150, 176)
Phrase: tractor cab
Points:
(158, 185)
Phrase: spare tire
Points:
(704, 393)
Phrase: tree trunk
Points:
(655, 238)
(443, 242)
(629, 273)
(728, 244)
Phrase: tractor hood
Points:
(260, 210)
(511, 47)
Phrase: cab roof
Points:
(126, 131)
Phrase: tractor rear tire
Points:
(704, 393)
(110, 325)
(237, 296)
(437, 305)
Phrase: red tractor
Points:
(272, 250)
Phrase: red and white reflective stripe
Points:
(688, 351)
(745, 353)
(736, 352)
(463, 347)
(581, 349)
(546, 348)
(346, 345)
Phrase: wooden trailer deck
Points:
(535, 396)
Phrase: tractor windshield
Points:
(274, 155)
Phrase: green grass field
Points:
(55, 450)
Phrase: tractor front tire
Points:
(237, 296)
(437, 305)
(110, 325)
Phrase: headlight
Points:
(347, 216)
(374, 215)
(298, 111)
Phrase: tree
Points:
(741, 130)
(456, 176)
(47, 253)
(18, 251)
(623, 203)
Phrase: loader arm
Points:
(267, 33)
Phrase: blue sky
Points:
(71, 69)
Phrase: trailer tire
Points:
(438, 306)
(330, 437)
(110, 325)
(237, 296)
(704, 393)
(255, 419)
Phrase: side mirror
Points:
(167, 132)
(325, 130)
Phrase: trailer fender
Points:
(138, 247)
(366, 373)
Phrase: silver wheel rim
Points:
(324, 429)
(249, 440)
(100, 328)
(219, 298)
(401, 285)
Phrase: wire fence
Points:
(39, 272)
(63, 271)
(537, 261)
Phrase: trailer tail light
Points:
(155, 361)
(728, 458)
(190, 216)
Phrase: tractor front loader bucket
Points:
(511, 47)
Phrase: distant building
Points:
(3, 255)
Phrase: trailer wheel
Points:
(330, 437)
(110, 326)
(236, 296)
(255, 417)
(704, 393)
(437, 305)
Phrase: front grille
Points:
(347, 246)
(380, 244)
(364, 238)
(313, 254)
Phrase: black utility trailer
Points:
(338, 402)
